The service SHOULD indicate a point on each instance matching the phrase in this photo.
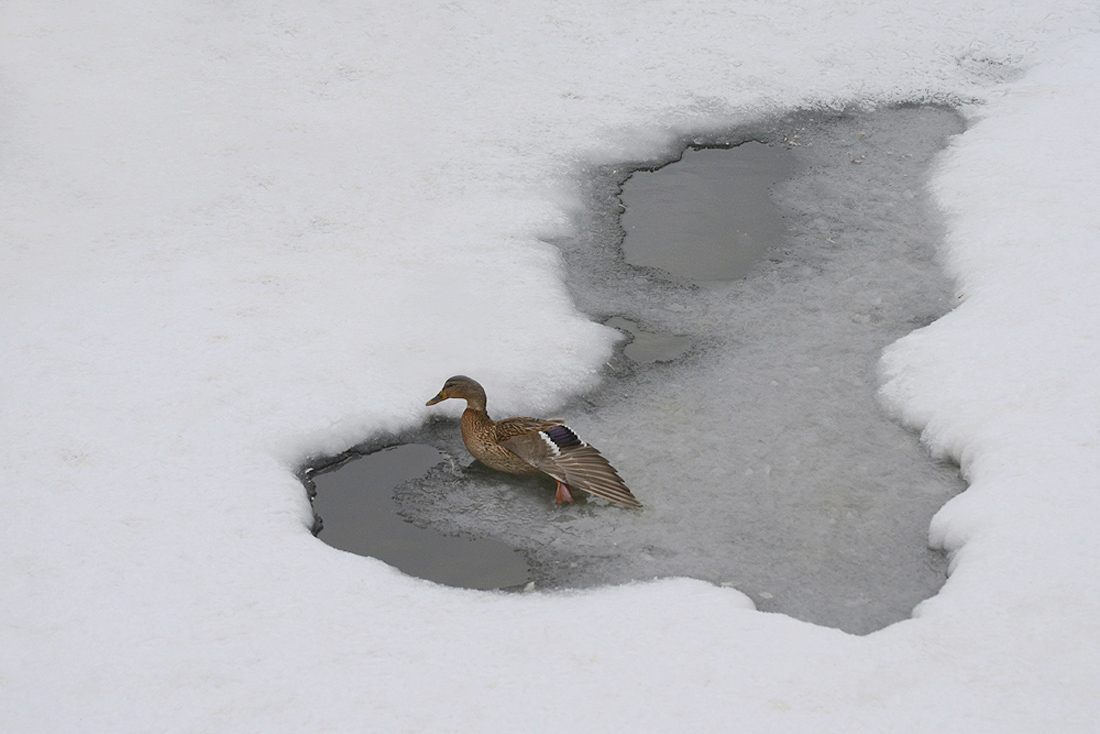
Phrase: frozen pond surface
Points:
(757, 444)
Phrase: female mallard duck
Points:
(531, 445)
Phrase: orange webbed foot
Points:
(563, 494)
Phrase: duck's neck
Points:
(475, 418)
(475, 424)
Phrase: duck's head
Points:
(460, 386)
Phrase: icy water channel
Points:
(741, 408)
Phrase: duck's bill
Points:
(437, 399)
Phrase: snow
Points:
(237, 236)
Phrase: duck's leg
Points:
(563, 494)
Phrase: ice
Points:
(237, 236)
(763, 460)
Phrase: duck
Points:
(534, 446)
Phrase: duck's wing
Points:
(556, 450)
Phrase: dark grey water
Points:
(650, 346)
(355, 503)
(708, 216)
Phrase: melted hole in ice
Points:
(650, 346)
(708, 216)
(357, 512)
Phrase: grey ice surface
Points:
(762, 456)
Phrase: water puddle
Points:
(709, 215)
(354, 501)
(742, 408)
(650, 346)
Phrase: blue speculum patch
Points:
(563, 437)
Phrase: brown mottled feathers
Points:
(532, 445)
(511, 427)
